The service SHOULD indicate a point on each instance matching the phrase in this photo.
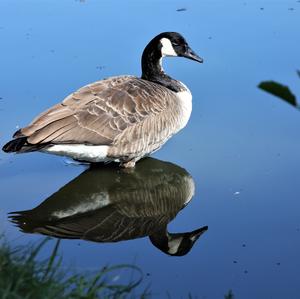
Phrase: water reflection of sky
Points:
(239, 138)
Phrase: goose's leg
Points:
(128, 164)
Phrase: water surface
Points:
(241, 147)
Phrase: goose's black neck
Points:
(152, 67)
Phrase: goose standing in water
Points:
(120, 119)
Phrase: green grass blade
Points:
(51, 260)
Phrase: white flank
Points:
(94, 202)
(167, 48)
(90, 153)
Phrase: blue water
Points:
(241, 145)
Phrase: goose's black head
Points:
(165, 44)
(174, 44)
(178, 244)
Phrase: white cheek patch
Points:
(167, 48)
(174, 245)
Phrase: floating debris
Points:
(237, 193)
(116, 278)
(229, 295)
(100, 67)
(181, 9)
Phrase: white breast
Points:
(190, 187)
(90, 153)
(185, 101)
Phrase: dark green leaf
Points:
(279, 90)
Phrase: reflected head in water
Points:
(108, 204)
(176, 244)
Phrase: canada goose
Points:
(119, 119)
(106, 205)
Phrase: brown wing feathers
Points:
(97, 113)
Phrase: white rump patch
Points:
(89, 153)
(167, 48)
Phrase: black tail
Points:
(14, 145)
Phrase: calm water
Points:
(240, 150)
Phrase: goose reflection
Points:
(109, 205)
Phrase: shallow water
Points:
(241, 148)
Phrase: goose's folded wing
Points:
(99, 112)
